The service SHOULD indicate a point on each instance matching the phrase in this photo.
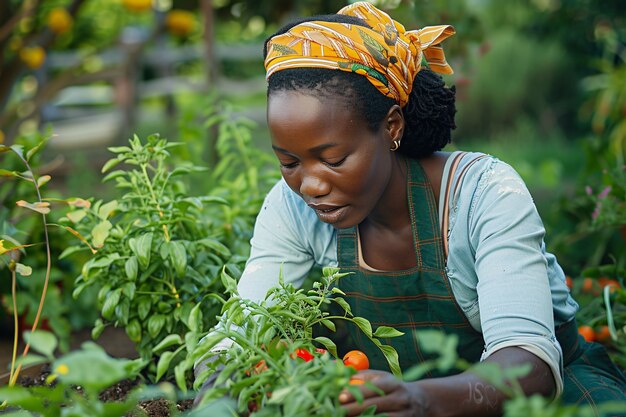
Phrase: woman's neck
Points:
(392, 212)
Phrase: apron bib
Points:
(415, 299)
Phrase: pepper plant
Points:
(268, 370)
(155, 261)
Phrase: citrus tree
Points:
(32, 31)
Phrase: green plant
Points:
(242, 175)
(155, 262)
(20, 233)
(266, 369)
(74, 385)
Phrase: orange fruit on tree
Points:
(59, 20)
(180, 22)
(569, 282)
(33, 56)
(587, 332)
(137, 5)
(356, 359)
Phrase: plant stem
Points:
(154, 200)
(48, 268)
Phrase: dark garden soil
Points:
(116, 344)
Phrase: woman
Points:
(358, 126)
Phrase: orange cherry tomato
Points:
(603, 334)
(607, 282)
(587, 285)
(587, 332)
(258, 368)
(356, 359)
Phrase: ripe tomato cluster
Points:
(601, 334)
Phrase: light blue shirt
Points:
(510, 289)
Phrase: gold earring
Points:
(396, 145)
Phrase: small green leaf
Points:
(131, 267)
(133, 330)
(364, 325)
(42, 341)
(195, 319)
(142, 249)
(155, 324)
(143, 307)
(392, 359)
(170, 340)
(97, 330)
(110, 164)
(164, 364)
(178, 257)
(6, 173)
(105, 210)
(43, 180)
(328, 344)
(100, 233)
(76, 215)
(110, 302)
(33, 151)
(385, 331)
(119, 149)
(179, 373)
(329, 325)
(343, 304)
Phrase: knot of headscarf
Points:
(388, 55)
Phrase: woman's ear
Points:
(394, 123)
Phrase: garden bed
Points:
(115, 342)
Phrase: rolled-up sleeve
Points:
(513, 288)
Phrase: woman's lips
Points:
(329, 214)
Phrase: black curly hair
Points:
(429, 113)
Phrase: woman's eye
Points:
(288, 165)
(335, 164)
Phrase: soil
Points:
(158, 407)
(116, 344)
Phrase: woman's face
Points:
(329, 157)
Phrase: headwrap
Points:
(388, 55)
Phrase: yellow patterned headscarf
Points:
(388, 55)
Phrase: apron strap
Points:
(446, 202)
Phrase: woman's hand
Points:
(400, 399)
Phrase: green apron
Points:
(421, 298)
(415, 299)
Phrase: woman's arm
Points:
(464, 394)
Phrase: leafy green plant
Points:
(75, 383)
(155, 262)
(268, 369)
(242, 176)
(20, 232)
(504, 379)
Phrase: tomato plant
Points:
(276, 335)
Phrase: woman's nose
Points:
(313, 186)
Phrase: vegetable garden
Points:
(154, 248)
